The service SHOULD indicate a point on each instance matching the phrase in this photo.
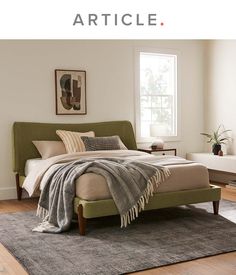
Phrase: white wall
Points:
(220, 105)
(27, 87)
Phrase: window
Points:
(157, 95)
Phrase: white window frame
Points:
(140, 139)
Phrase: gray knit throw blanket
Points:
(131, 183)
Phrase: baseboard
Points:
(8, 193)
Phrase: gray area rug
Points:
(157, 238)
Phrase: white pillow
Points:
(73, 141)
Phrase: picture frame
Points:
(70, 86)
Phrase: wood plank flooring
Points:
(12, 206)
(8, 264)
(224, 264)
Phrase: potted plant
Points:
(217, 138)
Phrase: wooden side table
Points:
(163, 151)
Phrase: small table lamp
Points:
(156, 131)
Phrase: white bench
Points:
(225, 163)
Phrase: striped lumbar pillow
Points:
(73, 141)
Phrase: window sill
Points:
(165, 139)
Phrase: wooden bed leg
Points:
(216, 207)
(81, 220)
(18, 188)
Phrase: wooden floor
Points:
(224, 264)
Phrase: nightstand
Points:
(169, 151)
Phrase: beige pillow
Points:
(49, 149)
(73, 141)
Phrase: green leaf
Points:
(216, 137)
(226, 138)
(207, 135)
(217, 131)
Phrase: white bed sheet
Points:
(31, 164)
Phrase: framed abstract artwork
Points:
(70, 92)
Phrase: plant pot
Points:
(216, 148)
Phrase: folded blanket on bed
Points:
(130, 182)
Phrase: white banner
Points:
(150, 19)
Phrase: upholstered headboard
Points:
(25, 132)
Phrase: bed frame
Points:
(25, 132)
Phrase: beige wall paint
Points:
(220, 104)
(27, 87)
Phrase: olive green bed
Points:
(25, 132)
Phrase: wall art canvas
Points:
(70, 92)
